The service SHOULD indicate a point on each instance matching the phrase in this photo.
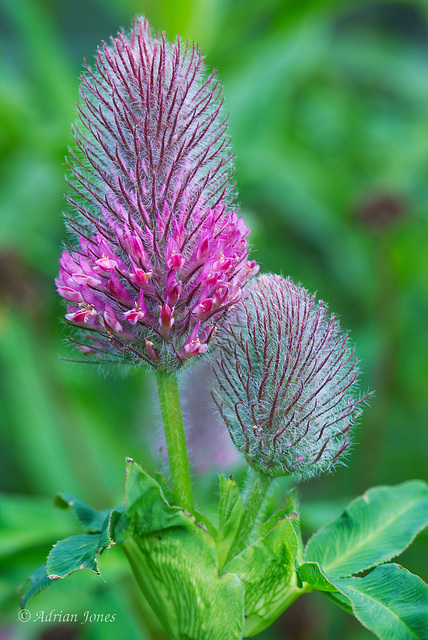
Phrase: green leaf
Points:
(82, 551)
(39, 580)
(229, 517)
(390, 601)
(174, 559)
(289, 510)
(76, 552)
(166, 489)
(312, 574)
(266, 568)
(373, 529)
(72, 554)
(91, 519)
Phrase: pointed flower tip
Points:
(286, 381)
(159, 246)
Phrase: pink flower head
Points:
(161, 253)
(285, 381)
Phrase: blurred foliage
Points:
(328, 106)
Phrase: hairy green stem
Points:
(254, 500)
(175, 440)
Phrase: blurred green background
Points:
(328, 106)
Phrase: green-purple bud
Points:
(286, 381)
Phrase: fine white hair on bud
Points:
(285, 381)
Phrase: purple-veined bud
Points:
(158, 237)
(286, 380)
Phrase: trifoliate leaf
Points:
(373, 529)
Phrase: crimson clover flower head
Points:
(286, 381)
(160, 254)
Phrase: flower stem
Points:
(175, 439)
(254, 500)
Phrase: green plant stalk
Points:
(254, 500)
(175, 440)
(293, 592)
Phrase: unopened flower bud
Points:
(286, 381)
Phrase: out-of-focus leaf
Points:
(27, 522)
(32, 419)
(38, 581)
(45, 53)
